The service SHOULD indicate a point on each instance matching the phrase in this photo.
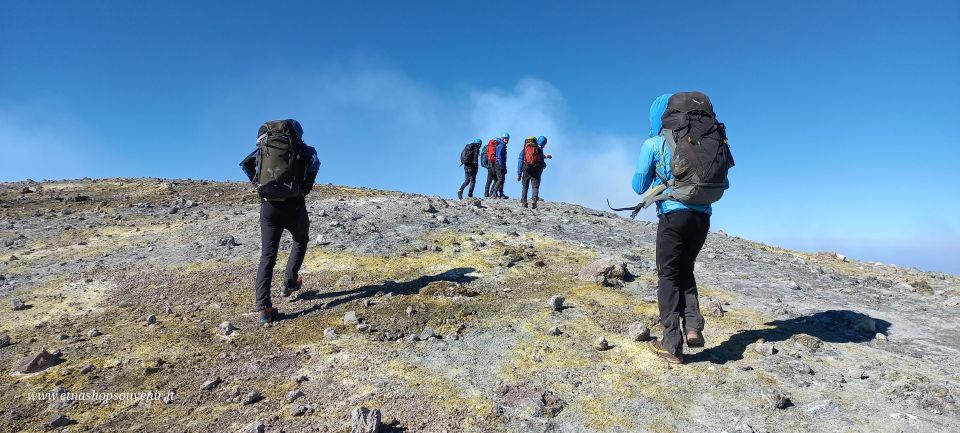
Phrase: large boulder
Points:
(608, 271)
(39, 361)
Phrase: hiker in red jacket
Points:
(530, 165)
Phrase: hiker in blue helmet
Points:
(501, 166)
(469, 157)
(681, 232)
(530, 164)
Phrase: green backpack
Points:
(280, 159)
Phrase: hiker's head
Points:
(542, 141)
(476, 141)
(531, 140)
(656, 113)
(505, 138)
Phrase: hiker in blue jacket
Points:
(501, 166)
(530, 167)
(681, 232)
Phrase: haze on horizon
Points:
(840, 116)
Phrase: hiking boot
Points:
(504, 196)
(524, 204)
(534, 204)
(287, 291)
(460, 194)
(268, 315)
(658, 350)
(694, 338)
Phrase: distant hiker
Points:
(684, 163)
(530, 165)
(468, 159)
(284, 170)
(488, 159)
(501, 166)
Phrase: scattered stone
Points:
(350, 318)
(442, 219)
(638, 331)
(539, 263)
(4, 340)
(366, 420)
(330, 334)
(363, 327)
(298, 410)
(227, 328)
(880, 337)
(539, 401)
(764, 348)
(300, 378)
(252, 397)
(211, 384)
(173, 210)
(28, 190)
(714, 307)
(59, 420)
(88, 368)
(819, 407)
(39, 361)
(410, 310)
(294, 395)
(228, 241)
(18, 304)
(427, 333)
(608, 271)
(793, 285)
(601, 344)
(322, 240)
(554, 330)
(94, 332)
(556, 302)
(345, 281)
(774, 398)
(255, 427)
(841, 257)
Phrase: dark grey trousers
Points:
(531, 179)
(491, 181)
(680, 236)
(469, 178)
(275, 217)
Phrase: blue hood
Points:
(656, 113)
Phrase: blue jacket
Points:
(543, 160)
(502, 155)
(655, 156)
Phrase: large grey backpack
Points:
(700, 153)
(280, 159)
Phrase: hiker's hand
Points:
(549, 156)
(518, 178)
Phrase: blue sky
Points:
(842, 114)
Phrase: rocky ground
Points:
(441, 315)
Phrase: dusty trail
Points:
(849, 346)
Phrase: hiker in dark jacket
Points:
(530, 167)
(468, 159)
(279, 214)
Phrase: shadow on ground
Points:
(455, 275)
(833, 326)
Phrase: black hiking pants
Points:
(469, 178)
(680, 235)
(501, 178)
(531, 178)
(275, 217)
(491, 181)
